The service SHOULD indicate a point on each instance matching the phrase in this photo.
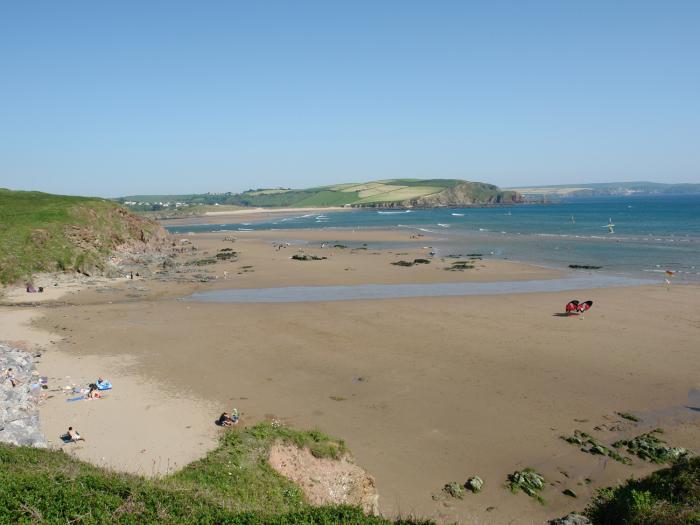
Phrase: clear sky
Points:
(115, 98)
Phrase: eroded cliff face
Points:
(99, 235)
(462, 194)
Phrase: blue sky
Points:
(175, 97)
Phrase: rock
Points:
(474, 484)
(571, 519)
(454, 489)
(19, 416)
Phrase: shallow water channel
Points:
(296, 294)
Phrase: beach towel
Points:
(104, 385)
(75, 398)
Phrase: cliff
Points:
(40, 232)
(461, 194)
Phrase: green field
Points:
(44, 232)
(233, 484)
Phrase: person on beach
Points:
(225, 420)
(9, 374)
(74, 436)
(94, 393)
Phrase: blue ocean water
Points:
(651, 234)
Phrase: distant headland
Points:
(390, 193)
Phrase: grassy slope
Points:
(670, 496)
(233, 484)
(38, 232)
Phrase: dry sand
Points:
(142, 426)
(424, 390)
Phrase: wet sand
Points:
(424, 390)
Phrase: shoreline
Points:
(413, 385)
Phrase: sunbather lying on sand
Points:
(74, 436)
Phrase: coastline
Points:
(252, 214)
(423, 390)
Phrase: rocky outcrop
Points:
(116, 232)
(326, 481)
(462, 194)
(571, 519)
(19, 414)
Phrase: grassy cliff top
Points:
(45, 232)
(233, 484)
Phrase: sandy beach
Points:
(423, 390)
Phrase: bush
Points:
(670, 496)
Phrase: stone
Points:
(475, 484)
(19, 416)
(571, 519)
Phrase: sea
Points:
(634, 236)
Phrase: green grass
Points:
(670, 496)
(44, 232)
(233, 484)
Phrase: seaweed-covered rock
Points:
(305, 257)
(589, 444)
(474, 484)
(628, 416)
(226, 254)
(459, 266)
(454, 489)
(529, 481)
(650, 447)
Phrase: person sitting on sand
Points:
(94, 393)
(225, 420)
(74, 436)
